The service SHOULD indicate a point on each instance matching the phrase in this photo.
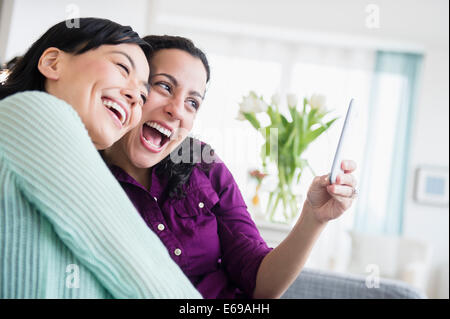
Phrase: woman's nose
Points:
(175, 108)
(131, 95)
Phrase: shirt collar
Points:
(121, 175)
(156, 189)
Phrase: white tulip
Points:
(318, 101)
(252, 104)
(247, 105)
(276, 99)
(240, 116)
(292, 99)
(261, 106)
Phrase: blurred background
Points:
(391, 56)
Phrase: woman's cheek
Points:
(136, 115)
(189, 123)
(181, 133)
(93, 66)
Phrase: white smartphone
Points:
(336, 167)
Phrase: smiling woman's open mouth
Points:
(155, 136)
(116, 109)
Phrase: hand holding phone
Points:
(336, 167)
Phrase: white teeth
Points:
(118, 108)
(163, 130)
(149, 142)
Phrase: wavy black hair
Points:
(160, 42)
(192, 151)
(89, 34)
(178, 173)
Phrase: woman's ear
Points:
(50, 63)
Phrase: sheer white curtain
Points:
(396, 81)
(239, 64)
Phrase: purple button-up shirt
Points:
(209, 233)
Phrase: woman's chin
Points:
(106, 137)
(102, 144)
(148, 159)
(147, 162)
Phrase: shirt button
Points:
(177, 252)
(161, 227)
(155, 199)
(201, 205)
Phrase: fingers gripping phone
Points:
(336, 167)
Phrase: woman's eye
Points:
(144, 98)
(193, 103)
(123, 66)
(164, 86)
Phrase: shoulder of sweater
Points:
(46, 103)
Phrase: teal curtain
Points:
(390, 220)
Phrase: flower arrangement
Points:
(285, 142)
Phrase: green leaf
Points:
(284, 120)
(311, 136)
(311, 117)
(294, 113)
(329, 123)
(271, 113)
(253, 120)
(292, 171)
(297, 142)
(289, 141)
(300, 125)
(305, 122)
(320, 115)
(274, 116)
(298, 177)
(298, 149)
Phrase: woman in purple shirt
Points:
(189, 198)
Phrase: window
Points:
(235, 142)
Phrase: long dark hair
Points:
(90, 34)
(179, 173)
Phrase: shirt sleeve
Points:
(61, 173)
(243, 248)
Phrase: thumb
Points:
(324, 180)
(320, 182)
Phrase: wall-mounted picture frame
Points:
(432, 185)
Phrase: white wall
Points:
(419, 21)
(5, 22)
(30, 18)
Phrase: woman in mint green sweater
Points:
(67, 229)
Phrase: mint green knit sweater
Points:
(67, 229)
